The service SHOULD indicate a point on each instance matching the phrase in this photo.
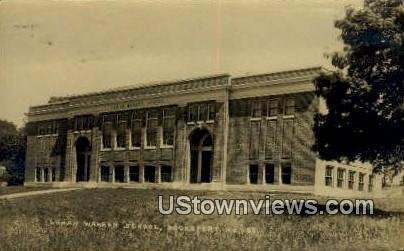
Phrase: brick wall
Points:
(243, 140)
(45, 152)
(184, 130)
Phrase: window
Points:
(211, 111)
(269, 173)
(41, 130)
(340, 177)
(136, 130)
(255, 109)
(151, 128)
(289, 106)
(328, 176)
(38, 174)
(351, 179)
(55, 128)
(201, 112)
(287, 140)
(119, 174)
(253, 174)
(84, 122)
(270, 139)
(105, 173)
(168, 126)
(370, 185)
(121, 134)
(49, 127)
(134, 173)
(192, 113)
(107, 135)
(150, 174)
(254, 139)
(121, 125)
(272, 108)
(361, 181)
(286, 174)
(166, 174)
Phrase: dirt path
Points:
(32, 193)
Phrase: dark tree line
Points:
(364, 95)
(12, 151)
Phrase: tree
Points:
(12, 151)
(364, 95)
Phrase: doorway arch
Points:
(83, 156)
(201, 147)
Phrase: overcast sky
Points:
(57, 48)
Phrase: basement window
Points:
(119, 174)
(105, 173)
(46, 175)
(253, 174)
(53, 174)
(286, 174)
(134, 173)
(38, 174)
(166, 173)
(269, 173)
(150, 174)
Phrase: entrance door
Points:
(201, 144)
(83, 154)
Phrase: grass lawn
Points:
(85, 220)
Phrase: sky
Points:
(59, 48)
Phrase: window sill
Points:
(82, 131)
(105, 149)
(210, 122)
(134, 148)
(190, 123)
(288, 116)
(272, 118)
(150, 147)
(120, 149)
(255, 119)
(166, 146)
(47, 135)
